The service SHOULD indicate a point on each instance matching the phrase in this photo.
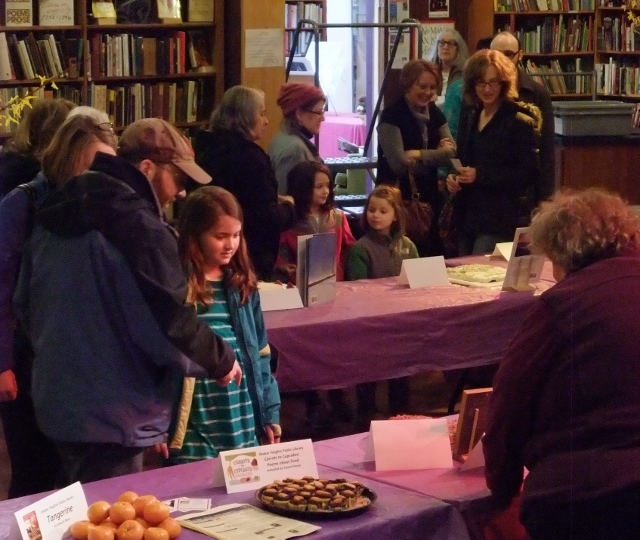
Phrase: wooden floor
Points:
(430, 394)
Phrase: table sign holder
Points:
(524, 268)
(251, 468)
(423, 272)
(471, 421)
(274, 297)
(316, 268)
(411, 444)
(50, 517)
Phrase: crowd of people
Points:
(121, 331)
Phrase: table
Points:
(465, 490)
(397, 514)
(376, 330)
(349, 126)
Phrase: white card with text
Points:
(401, 445)
(524, 268)
(278, 298)
(423, 272)
(252, 468)
(502, 251)
(51, 517)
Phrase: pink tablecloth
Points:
(349, 126)
(376, 330)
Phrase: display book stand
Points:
(365, 161)
(471, 421)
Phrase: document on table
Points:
(245, 522)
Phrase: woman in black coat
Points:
(230, 154)
(498, 142)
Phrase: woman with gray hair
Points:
(449, 52)
(565, 401)
(229, 152)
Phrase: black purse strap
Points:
(415, 194)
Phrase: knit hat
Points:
(294, 96)
(159, 141)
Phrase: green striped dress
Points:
(221, 417)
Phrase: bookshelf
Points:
(294, 10)
(170, 69)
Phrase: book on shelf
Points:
(200, 11)
(6, 71)
(18, 13)
(56, 13)
(140, 12)
(169, 10)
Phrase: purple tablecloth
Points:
(376, 330)
(397, 514)
(349, 126)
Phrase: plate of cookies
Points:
(314, 497)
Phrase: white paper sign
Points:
(475, 459)
(401, 445)
(56, 13)
(278, 298)
(502, 251)
(252, 468)
(263, 47)
(523, 268)
(423, 272)
(51, 517)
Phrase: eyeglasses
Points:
(510, 54)
(180, 178)
(447, 43)
(494, 84)
(317, 113)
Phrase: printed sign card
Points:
(274, 297)
(502, 251)
(423, 272)
(51, 517)
(524, 268)
(401, 445)
(252, 468)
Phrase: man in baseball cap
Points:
(102, 296)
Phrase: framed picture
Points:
(471, 421)
(439, 9)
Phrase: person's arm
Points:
(413, 250)
(284, 162)
(513, 402)
(390, 140)
(287, 257)
(357, 263)
(438, 156)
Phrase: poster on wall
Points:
(398, 11)
(438, 9)
(430, 31)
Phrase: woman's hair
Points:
(60, 159)
(38, 125)
(199, 214)
(300, 183)
(476, 67)
(98, 116)
(463, 50)
(393, 196)
(238, 110)
(575, 229)
(412, 71)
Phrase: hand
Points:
(446, 142)
(234, 375)
(453, 185)
(162, 449)
(285, 199)
(8, 386)
(467, 175)
(290, 269)
(413, 156)
(272, 437)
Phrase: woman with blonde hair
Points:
(565, 401)
(34, 461)
(498, 146)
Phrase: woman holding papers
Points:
(498, 141)
(565, 400)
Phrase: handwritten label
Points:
(56, 13)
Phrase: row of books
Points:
(616, 78)
(302, 44)
(177, 102)
(128, 55)
(555, 35)
(301, 10)
(47, 56)
(543, 5)
(617, 34)
(576, 78)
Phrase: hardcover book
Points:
(200, 11)
(18, 13)
(56, 13)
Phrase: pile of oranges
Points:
(131, 517)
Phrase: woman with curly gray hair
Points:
(565, 401)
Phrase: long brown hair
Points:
(301, 182)
(200, 213)
(393, 196)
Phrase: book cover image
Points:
(242, 468)
(321, 268)
(18, 13)
(56, 13)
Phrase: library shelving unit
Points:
(557, 38)
(169, 69)
(295, 10)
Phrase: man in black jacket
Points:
(532, 92)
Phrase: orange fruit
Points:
(141, 502)
(80, 529)
(172, 526)
(156, 533)
(121, 511)
(128, 496)
(155, 512)
(98, 512)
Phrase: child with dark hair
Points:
(223, 287)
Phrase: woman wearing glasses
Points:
(498, 142)
(303, 111)
(414, 140)
(449, 52)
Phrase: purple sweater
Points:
(566, 400)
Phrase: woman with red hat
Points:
(303, 110)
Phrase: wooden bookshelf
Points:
(180, 78)
(294, 10)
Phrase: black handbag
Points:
(419, 214)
